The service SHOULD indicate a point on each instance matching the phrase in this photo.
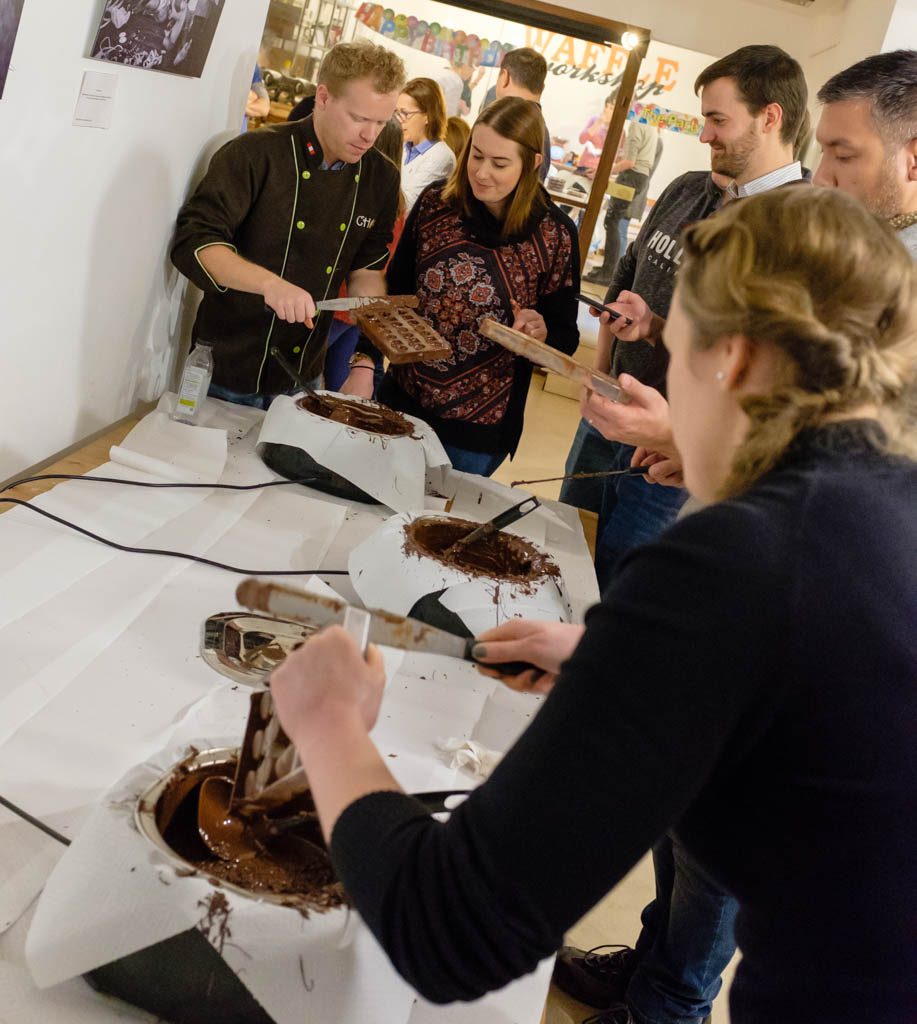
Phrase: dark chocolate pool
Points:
(369, 416)
(500, 556)
(289, 866)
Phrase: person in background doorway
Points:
(457, 81)
(592, 137)
(635, 168)
(259, 103)
(490, 243)
(283, 216)
(458, 131)
(523, 73)
(421, 112)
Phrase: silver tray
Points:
(247, 648)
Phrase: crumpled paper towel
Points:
(471, 755)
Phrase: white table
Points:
(100, 654)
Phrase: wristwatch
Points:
(361, 359)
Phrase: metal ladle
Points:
(223, 833)
(231, 839)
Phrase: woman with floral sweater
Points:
(486, 243)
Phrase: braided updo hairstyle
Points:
(810, 271)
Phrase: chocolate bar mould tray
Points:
(402, 336)
(246, 648)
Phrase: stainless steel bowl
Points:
(149, 814)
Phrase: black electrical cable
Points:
(161, 551)
(144, 483)
(9, 805)
(34, 821)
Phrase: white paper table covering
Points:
(236, 420)
(39, 558)
(68, 806)
(173, 451)
(55, 639)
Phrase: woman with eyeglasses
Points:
(487, 243)
(748, 680)
(421, 112)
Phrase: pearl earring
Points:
(720, 375)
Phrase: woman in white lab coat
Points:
(421, 111)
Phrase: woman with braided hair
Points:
(749, 680)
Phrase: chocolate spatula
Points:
(511, 515)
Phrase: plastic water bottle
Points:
(195, 383)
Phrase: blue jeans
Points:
(623, 225)
(687, 940)
(482, 463)
(255, 399)
(341, 343)
(633, 512)
(588, 454)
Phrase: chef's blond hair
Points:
(811, 272)
(349, 62)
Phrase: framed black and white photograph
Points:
(10, 12)
(164, 35)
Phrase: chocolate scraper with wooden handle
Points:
(384, 628)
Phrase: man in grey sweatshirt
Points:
(754, 103)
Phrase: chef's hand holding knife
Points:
(290, 302)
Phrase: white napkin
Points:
(173, 451)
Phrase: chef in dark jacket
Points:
(283, 217)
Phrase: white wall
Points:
(902, 29)
(89, 300)
(714, 26)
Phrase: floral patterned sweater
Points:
(462, 271)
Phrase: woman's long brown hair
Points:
(521, 122)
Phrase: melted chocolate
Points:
(499, 556)
(261, 858)
(371, 417)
